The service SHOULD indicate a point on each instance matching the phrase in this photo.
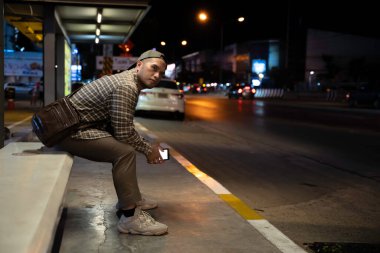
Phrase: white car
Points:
(165, 97)
(21, 90)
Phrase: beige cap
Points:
(149, 54)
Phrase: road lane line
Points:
(275, 236)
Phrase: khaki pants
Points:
(123, 159)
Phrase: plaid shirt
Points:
(111, 99)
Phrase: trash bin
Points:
(10, 94)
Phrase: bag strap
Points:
(70, 95)
(85, 125)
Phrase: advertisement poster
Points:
(23, 64)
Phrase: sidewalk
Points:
(199, 221)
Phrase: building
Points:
(335, 59)
(238, 63)
(324, 60)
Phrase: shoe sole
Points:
(131, 231)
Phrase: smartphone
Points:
(164, 153)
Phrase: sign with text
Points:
(118, 62)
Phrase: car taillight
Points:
(240, 90)
(253, 91)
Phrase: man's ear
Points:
(138, 64)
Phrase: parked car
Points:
(245, 92)
(165, 97)
(21, 90)
(368, 94)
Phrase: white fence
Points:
(270, 93)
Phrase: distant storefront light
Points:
(242, 57)
(258, 66)
(76, 67)
(170, 71)
(256, 82)
(76, 72)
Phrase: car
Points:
(238, 91)
(165, 97)
(368, 94)
(21, 90)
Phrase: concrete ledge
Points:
(32, 189)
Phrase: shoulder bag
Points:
(57, 121)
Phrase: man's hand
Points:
(154, 157)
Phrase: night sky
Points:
(173, 21)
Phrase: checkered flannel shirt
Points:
(111, 99)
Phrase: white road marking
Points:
(19, 122)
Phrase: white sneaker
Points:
(145, 204)
(141, 223)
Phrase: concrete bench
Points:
(32, 189)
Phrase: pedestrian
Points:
(111, 100)
(41, 93)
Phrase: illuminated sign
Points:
(242, 57)
(23, 64)
(258, 66)
(118, 63)
(67, 68)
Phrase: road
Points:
(311, 171)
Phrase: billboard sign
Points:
(23, 64)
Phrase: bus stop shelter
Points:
(59, 23)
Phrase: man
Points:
(111, 100)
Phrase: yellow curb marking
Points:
(244, 210)
(240, 207)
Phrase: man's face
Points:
(150, 71)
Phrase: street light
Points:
(311, 73)
(173, 49)
(203, 17)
